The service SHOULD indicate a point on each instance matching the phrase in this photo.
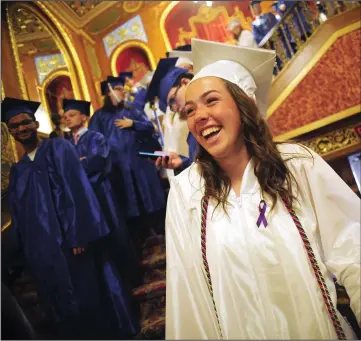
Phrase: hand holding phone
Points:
(171, 161)
(153, 156)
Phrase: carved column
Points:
(9, 75)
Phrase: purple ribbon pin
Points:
(262, 217)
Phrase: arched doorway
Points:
(133, 57)
(61, 39)
(56, 87)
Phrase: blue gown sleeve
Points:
(78, 210)
(16, 245)
(257, 34)
(96, 157)
(272, 19)
(140, 99)
(141, 122)
(95, 123)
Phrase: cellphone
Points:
(152, 156)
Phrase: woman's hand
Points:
(170, 161)
(124, 123)
(78, 251)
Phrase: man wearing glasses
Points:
(59, 221)
(169, 84)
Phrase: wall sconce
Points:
(209, 3)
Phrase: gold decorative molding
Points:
(126, 45)
(82, 8)
(93, 61)
(334, 141)
(132, 6)
(23, 90)
(70, 19)
(6, 226)
(72, 58)
(246, 22)
(313, 61)
(162, 24)
(8, 155)
(320, 123)
(2, 91)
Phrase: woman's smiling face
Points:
(213, 117)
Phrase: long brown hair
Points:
(270, 168)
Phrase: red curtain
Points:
(216, 30)
(180, 14)
(58, 89)
(134, 60)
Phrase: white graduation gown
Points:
(175, 136)
(264, 286)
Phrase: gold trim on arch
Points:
(325, 47)
(23, 89)
(163, 18)
(73, 64)
(6, 225)
(320, 123)
(126, 45)
(49, 78)
(2, 91)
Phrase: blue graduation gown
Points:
(54, 209)
(192, 147)
(93, 147)
(262, 25)
(141, 184)
(140, 98)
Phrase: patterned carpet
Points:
(151, 296)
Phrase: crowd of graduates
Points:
(83, 203)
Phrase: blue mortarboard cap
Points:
(114, 81)
(125, 75)
(11, 107)
(187, 47)
(163, 80)
(72, 104)
(254, 2)
(104, 87)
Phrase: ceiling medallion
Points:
(131, 6)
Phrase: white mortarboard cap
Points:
(249, 68)
(233, 23)
(184, 57)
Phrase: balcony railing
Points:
(298, 24)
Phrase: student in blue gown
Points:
(58, 220)
(263, 23)
(127, 131)
(168, 84)
(94, 157)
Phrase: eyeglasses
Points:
(14, 126)
(172, 101)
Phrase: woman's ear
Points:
(185, 81)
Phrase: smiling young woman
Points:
(255, 230)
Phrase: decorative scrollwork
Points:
(81, 8)
(132, 6)
(334, 141)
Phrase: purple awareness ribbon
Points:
(262, 217)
